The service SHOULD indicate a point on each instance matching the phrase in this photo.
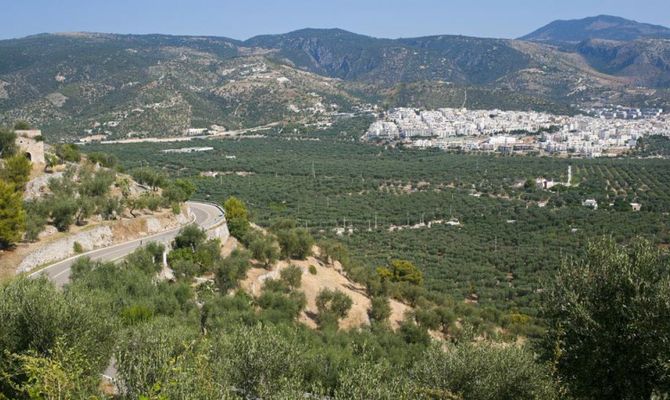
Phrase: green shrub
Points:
(135, 314)
(401, 271)
(333, 305)
(68, 152)
(16, 170)
(149, 176)
(21, 125)
(295, 243)
(264, 249)
(8, 145)
(280, 307)
(237, 218)
(484, 371)
(104, 159)
(292, 276)
(380, 309)
(607, 337)
(231, 270)
(190, 237)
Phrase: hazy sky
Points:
(246, 18)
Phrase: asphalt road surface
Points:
(205, 215)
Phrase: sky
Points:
(246, 18)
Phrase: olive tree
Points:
(333, 305)
(609, 325)
(482, 372)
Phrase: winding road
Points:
(205, 215)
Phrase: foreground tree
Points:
(179, 191)
(12, 215)
(262, 362)
(63, 211)
(233, 269)
(68, 152)
(16, 170)
(7, 143)
(292, 276)
(609, 318)
(482, 372)
(53, 344)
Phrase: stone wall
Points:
(219, 232)
(106, 235)
(99, 236)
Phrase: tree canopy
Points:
(401, 271)
(7, 143)
(12, 215)
(237, 217)
(16, 170)
(609, 327)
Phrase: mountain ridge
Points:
(83, 83)
(597, 27)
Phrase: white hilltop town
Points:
(607, 132)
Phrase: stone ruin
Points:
(30, 144)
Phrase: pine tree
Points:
(12, 215)
(16, 170)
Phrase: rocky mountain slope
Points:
(152, 85)
(645, 61)
(80, 84)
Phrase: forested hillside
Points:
(87, 84)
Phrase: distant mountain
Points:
(152, 85)
(600, 27)
(78, 84)
(530, 68)
(345, 55)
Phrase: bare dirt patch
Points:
(327, 277)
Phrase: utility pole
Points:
(375, 221)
